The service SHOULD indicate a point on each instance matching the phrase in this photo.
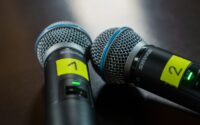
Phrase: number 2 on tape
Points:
(174, 70)
(71, 66)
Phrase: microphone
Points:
(62, 50)
(121, 56)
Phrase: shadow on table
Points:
(119, 105)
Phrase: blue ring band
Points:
(108, 45)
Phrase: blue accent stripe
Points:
(108, 45)
(59, 25)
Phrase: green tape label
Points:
(71, 66)
(174, 70)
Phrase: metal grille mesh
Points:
(99, 45)
(117, 55)
(61, 35)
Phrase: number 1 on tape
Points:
(71, 66)
(174, 70)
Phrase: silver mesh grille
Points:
(117, 55)
(61, 35)
(99, 45)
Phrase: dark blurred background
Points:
(170, 24)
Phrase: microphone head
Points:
(110, 52)
(59, 35)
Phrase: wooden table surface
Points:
(175, 23)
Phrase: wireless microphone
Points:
(120, 55)
(61, 50)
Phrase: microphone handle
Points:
(167, 75)
(68, 92)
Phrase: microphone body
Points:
(68, 97)
(121, 56)
(167, 75)
(68, 92)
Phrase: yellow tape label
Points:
(174, 70)
(71, 66)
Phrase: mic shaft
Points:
(68, 92)
(167, 75)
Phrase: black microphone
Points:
(62, 50)
(121, 56)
